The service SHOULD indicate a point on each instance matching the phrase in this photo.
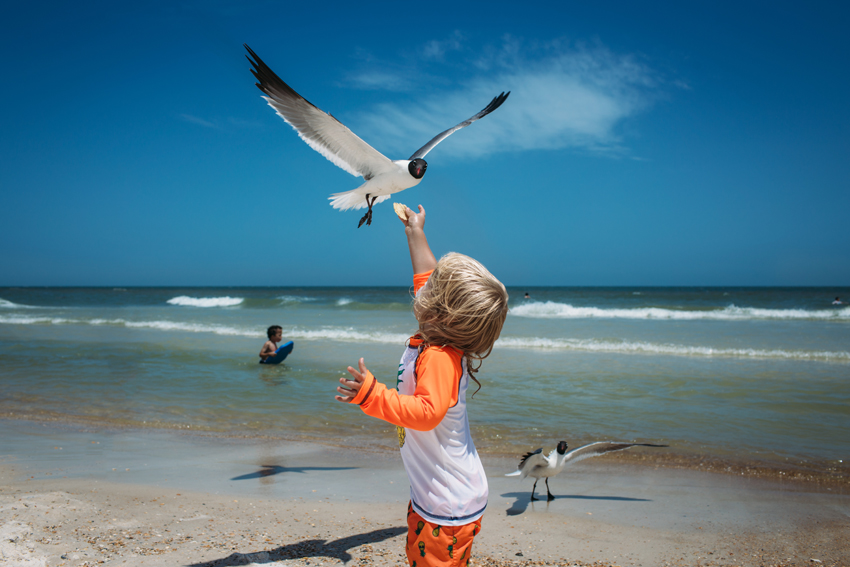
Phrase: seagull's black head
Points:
(562, 447)
(417, 168)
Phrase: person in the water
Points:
(275, 334)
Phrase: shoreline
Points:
(807, 474)
(88, 497)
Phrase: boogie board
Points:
(281, 353)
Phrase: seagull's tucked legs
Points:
(367, 218)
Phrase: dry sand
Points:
(83, 498)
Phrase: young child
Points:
(275, 334)
(460, 307)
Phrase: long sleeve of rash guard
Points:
(438, 370)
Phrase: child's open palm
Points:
(350, 388)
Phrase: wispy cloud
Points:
(561, 97)
(199, 121)
(381, 80)
(437, 49)
(374, 74)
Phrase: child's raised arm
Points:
(420, 253)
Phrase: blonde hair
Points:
(463, 305)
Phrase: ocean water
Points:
(752, 374)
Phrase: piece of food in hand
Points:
(400, 210)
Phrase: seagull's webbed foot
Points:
(367, 218)
(549, 496)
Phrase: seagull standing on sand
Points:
(336, 142)
(537, 466)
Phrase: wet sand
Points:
(85, 497)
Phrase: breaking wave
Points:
(628, 347)
(366, 336)
(285, 299)
(185, 300)
(328, 333)
(553, 310)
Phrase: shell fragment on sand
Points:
(400, 210)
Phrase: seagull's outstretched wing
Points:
(494, 104)
(529, 462)
(600, 448)
(320, 130)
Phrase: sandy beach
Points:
(82, 497)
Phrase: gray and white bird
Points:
(537, 466)
(336, 142)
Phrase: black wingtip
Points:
(256, 59)
(527, 455)
(259, 67)
(495, 103)
(268, 81)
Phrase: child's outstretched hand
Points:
(414, 220)
(420, 253)
(350, 388)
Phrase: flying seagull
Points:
(336, 142)
(535, 465)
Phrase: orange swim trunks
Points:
(432, 545)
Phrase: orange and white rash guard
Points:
(447, 481)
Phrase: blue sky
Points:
(698, 143)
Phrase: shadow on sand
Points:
(337, 549)
(271, 470)
(523, 499)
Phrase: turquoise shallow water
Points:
(743, 373)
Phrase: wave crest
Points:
(627, 347)
(366, 336)
(328, 333)
(6, 304)
(554, 310)
(185, 300)
(285, 299)
(352, 335)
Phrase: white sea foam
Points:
(25, 320)
(343, 301)
(158, 325)
(206, 301)
(629, 347)
(189, 327)
(348, 335)
(328, 333)
(354, 335)
(554, 310)
(295, 299)
(5, 304)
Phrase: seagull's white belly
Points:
(544, 472)
(389, 183)
(381, 186)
